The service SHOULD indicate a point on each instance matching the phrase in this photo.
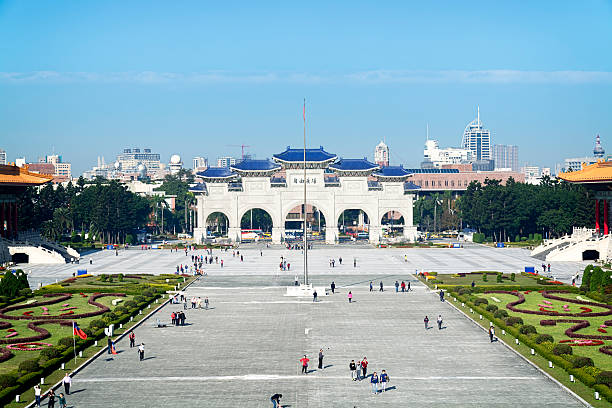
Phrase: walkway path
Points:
(247, 347)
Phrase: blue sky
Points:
(88, 78)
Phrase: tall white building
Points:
(381, 154)
(175, 164)
(2, 156)
(576, 163)
(506, 157)
(130, 159)
(477, 139)
(200, 163)
(226, 161)
(450, 155)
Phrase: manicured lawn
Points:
(533, 299)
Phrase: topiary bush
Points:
(499, 278)
(492, 308)
(580, 361)
(97, 323)
(7, 380)
(543, 338)
(484, 277)
(528, 329)
(562, 348)
(29, 366)
(50, 352)
(513, 276)
(131, 304)
(604, 377)
(464, 291)
(139, 299)
(500, 314)
(512, 320)
(66, 342)
(120, 310)
(481, 301)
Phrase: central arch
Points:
(353, 223)
(256, 223)
(315, 222)
(217, 224)
(392, 224)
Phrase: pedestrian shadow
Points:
(76, 391)
(148, 358)
(329, 365)
(109, 359)
(311, 371)
(428, 328)
(120, 351)
(390, 388)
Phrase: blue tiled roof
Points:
(392, 171)
(411, 186)
(432, 171)
(199, 187)
(255, 165)
(353, 164)
(297, 155)
(216, 172)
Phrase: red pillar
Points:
(2, 220)
(606, 223)
(15, 229)
(597, 216)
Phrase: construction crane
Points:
(242, 146)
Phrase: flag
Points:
(113, 351)
(76, 331)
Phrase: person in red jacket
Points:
(364, 366)
(304, 362)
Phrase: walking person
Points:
(353, 369)
(37, 392)
(304, 362)
(132, 338)
(408, 286)
(62, 401)
(374, 381)
(384, 378)
(426, 321)
(371, 286)
(275, 399)
(491, 333)
(67, 381)
(350, 296)
(51, 399)
(206, 302)
(439, 322)
(364, 367)
(321, 359)
(333, 287)
(358, 370)
(403, 286)
(314, 296)
(381, 287)
(141, 351)
(397, 286)
(109, 342)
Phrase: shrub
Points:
(464, 291)
(120, 310)
(517, 238)
(29, 366)
(528, 329)
(103, 278)
(131, 304)
(542, 338)
(139, 299)
(478, 237)
(492, 308)
(481, 301)
(580, 361)
(604, 377)
(500, 314)
(97, 323)
(499, 278)
(484, 277)
(512, 320)
(562, 348)
(7, 380)
(110, 278)
(120, 277)
(513, 276)
(50, 352)
(66, 341)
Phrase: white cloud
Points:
(500, 76)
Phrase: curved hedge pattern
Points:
(42, 333)
(5, 354)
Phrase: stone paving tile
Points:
(248, 345)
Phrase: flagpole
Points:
(74, 341)
(305, 212)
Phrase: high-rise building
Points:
(131, 158)
(576, 163)
(477, 139)
(175, 164)
(226, 161)
(435, 157)
(2, 156)
(200, 163)
(506, 157)
(381, 154)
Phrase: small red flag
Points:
(76, 331)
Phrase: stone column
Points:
(331, 235)
(277, 234)
(597, 216)
(375, 234)
(410, 233)
(234, 233)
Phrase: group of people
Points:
(405, 287)
(439, 321)
(196, 302)
(359, 371)
(284, 265)
(332, 262)
(178, 318)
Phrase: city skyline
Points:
(90, 80)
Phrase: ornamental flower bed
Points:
(583, 342)
(12, 334)
(28, 346)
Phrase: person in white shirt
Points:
(67, 382)
(37, 392)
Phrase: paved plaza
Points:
(247, 346)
